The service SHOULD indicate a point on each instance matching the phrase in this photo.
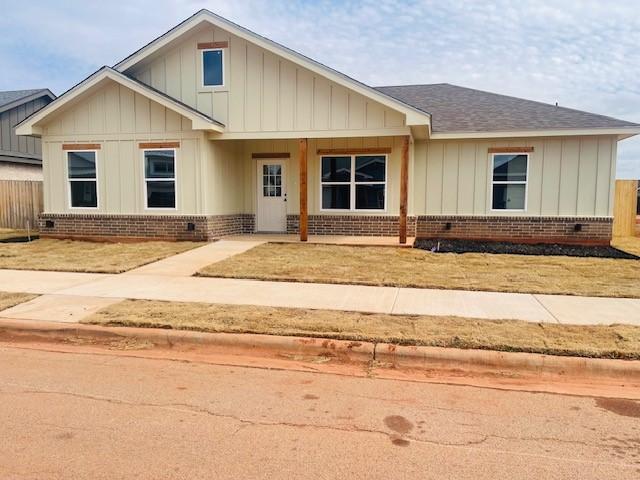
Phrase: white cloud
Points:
(582, 54)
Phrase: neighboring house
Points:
(20, 157)
(211, 130)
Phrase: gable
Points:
(76, 96)
(266, 89)
(114, 108)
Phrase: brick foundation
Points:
(146, 227)
(355, 225)
(593, 231)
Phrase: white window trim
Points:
(202, 84)
(173, 179)
(69, 180)
(508, 182)
(352, 183)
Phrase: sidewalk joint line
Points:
(535, 296)
(395, 300)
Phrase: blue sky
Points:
(583, 54)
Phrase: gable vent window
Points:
(509, 182)
(160, 178)
(83, 179)
(213, 68)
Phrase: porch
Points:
(353, 240)
(347, 190)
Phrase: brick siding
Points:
(209, 227)
(130, 227)
(355, 225)
(517, 229)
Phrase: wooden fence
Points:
(20, 202)
(624, 208)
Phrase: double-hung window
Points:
(354, 182)
(83, 179)
(213, 67)
(160, 178)
(509, 181)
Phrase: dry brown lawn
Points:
(617, 341)
(79, 256)
(10, 299)
(627, 244)
(407, 267)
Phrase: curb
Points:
(230, 343)
(447, 358)
(394, 356)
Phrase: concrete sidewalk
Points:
(188, 263)
(90, 288)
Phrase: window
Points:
(355, 182)
(509, 182)
(160, 178)
(213, 68)
(83, 179)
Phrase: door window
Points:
(272, 180)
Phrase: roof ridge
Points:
(414, 85)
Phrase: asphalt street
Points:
(87, 415)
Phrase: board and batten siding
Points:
(263, 92)
(119, 119)
(225, 174)
(568, 176)
(12, 144)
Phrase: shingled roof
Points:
(9, 97)
(460, 109)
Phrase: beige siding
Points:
(119, 119)
(263, 92)
(225, 183)
(567, 176)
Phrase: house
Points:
(20, 157)
(211, 129)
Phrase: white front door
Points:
(271, 209)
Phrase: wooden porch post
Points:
(404, 181)
(304, 212)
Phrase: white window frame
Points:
(352, 184)
(174, 179)
(69, 180)
(221, 50)
(509, 182)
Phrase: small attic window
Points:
(213, 67)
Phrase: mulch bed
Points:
(472, 246)
(19, 239)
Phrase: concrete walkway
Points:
(187, 263)
(87, 289)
